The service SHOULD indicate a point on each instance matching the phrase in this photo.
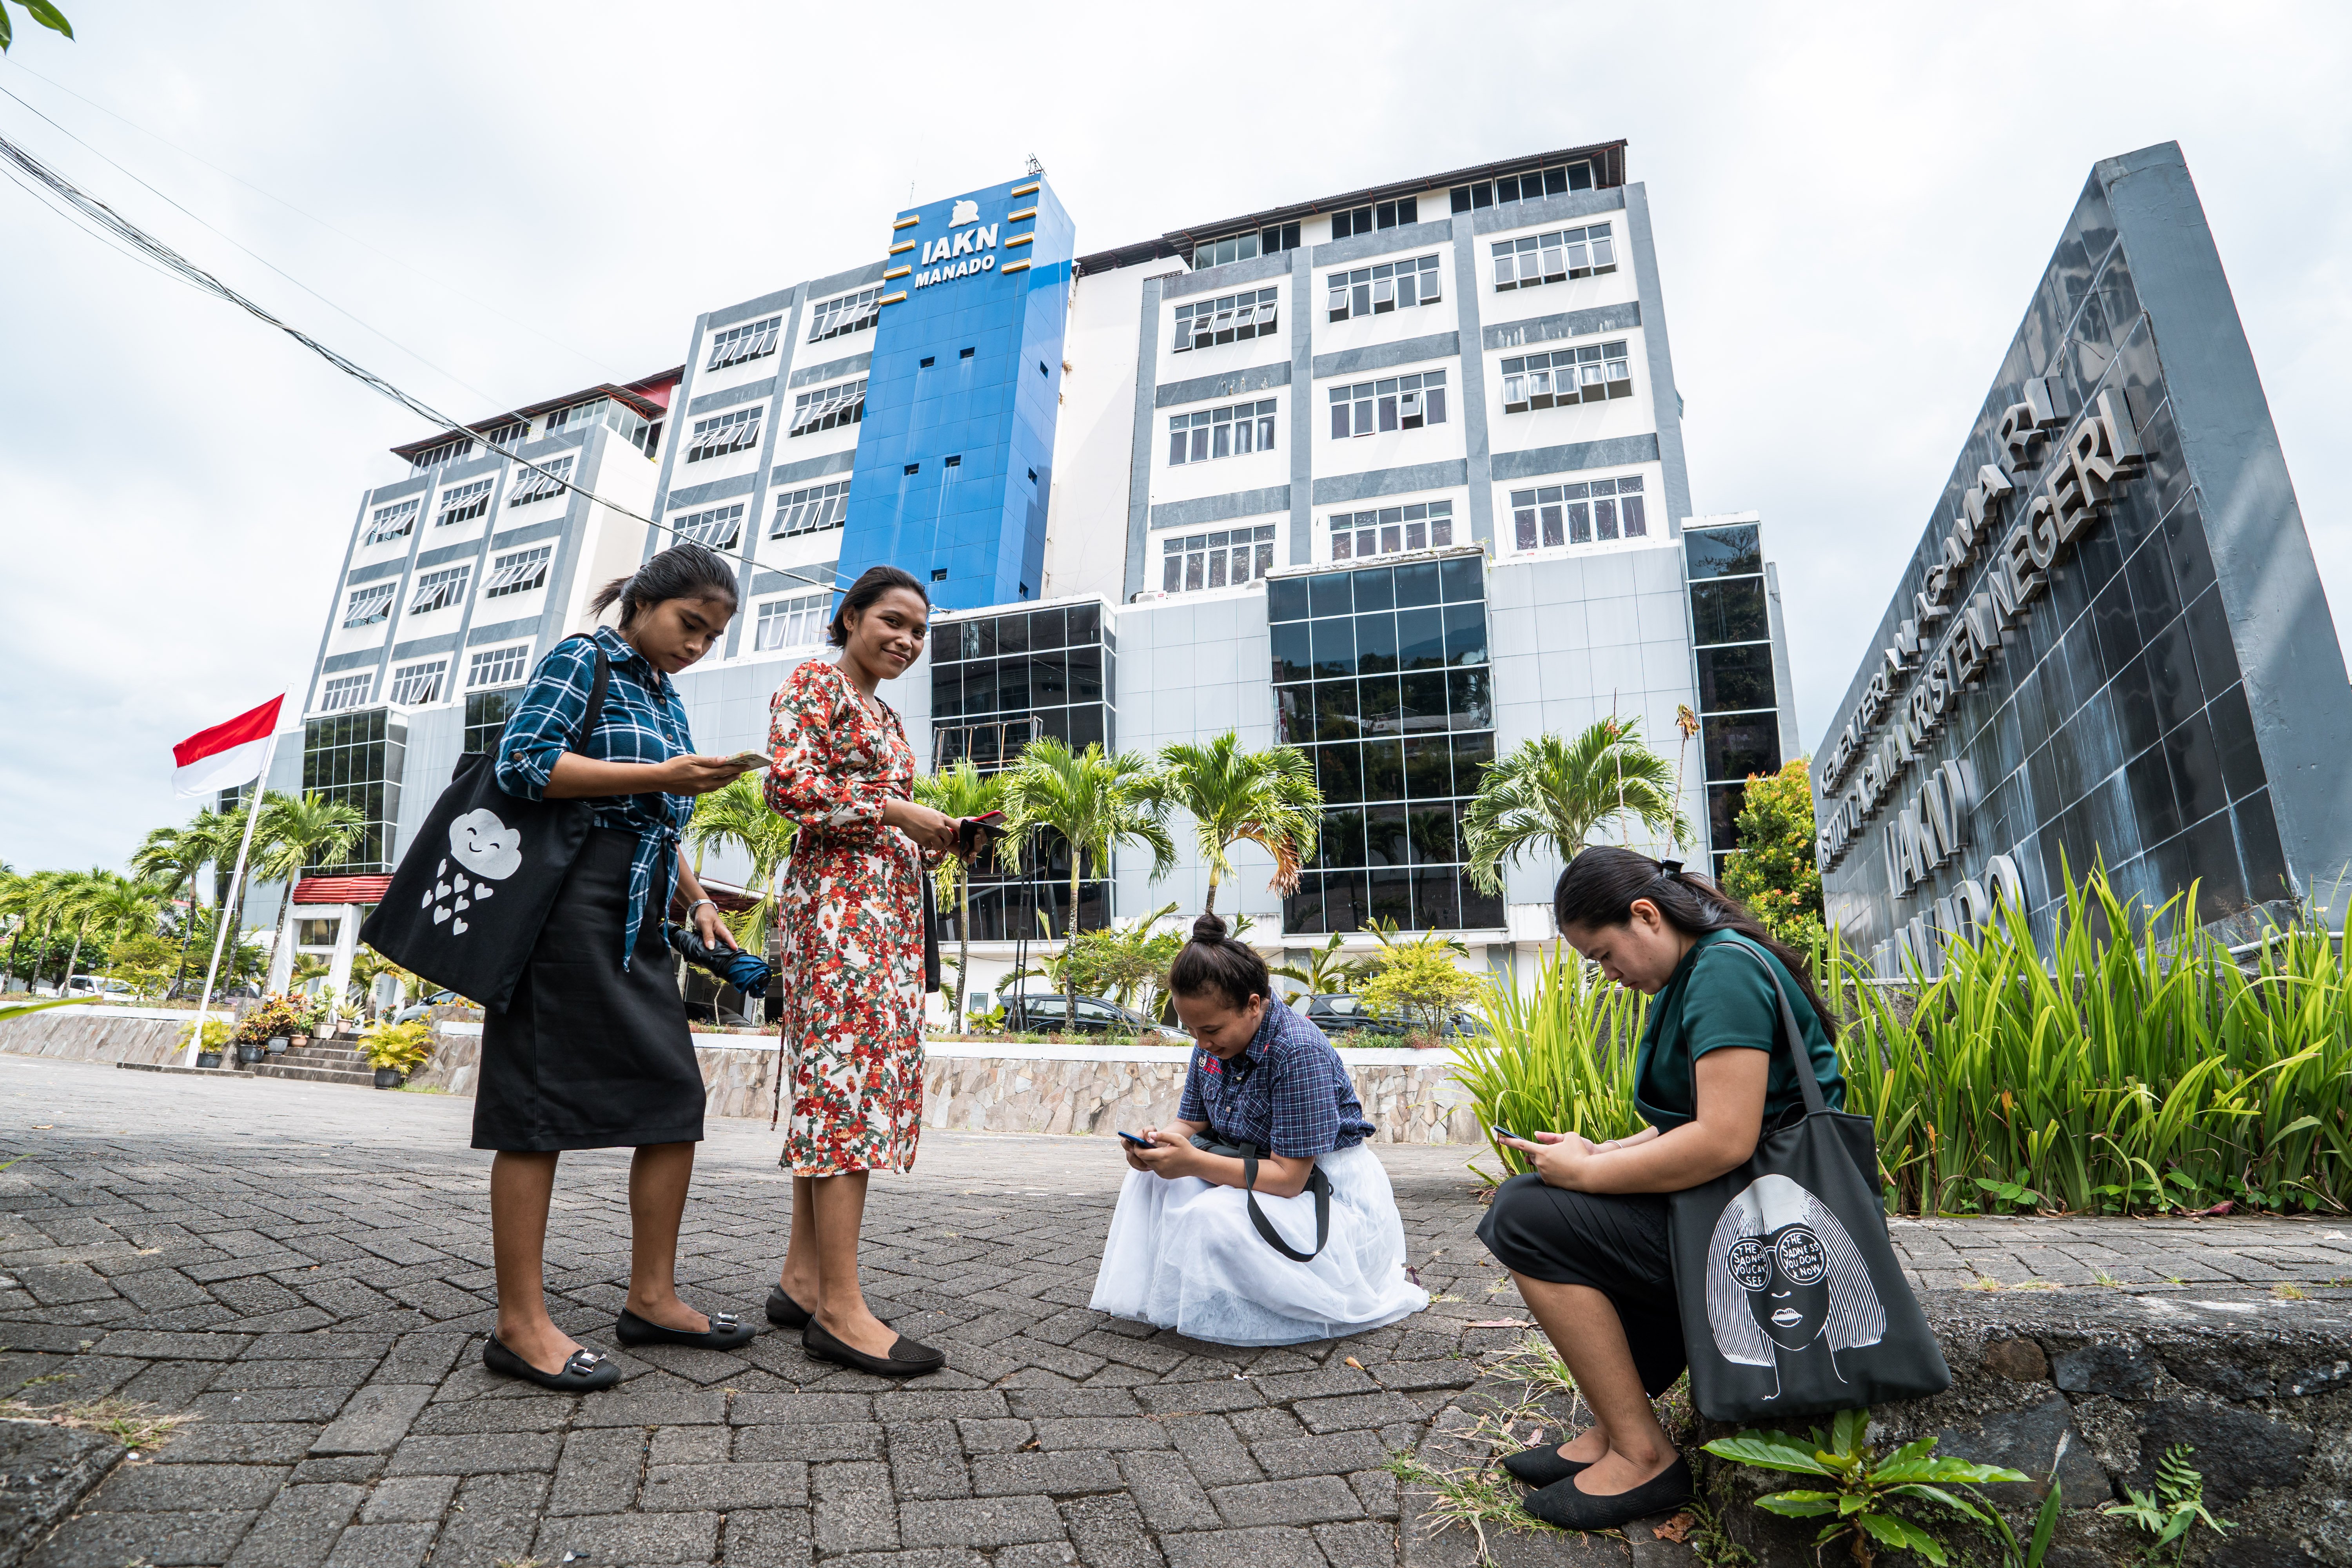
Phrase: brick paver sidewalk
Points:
(305, 1270)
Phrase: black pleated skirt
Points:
(586, 1055)
(1614, 1242)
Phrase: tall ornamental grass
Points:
(2157, 1074)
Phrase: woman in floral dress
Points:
(850, 985)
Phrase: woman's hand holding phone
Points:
(1154, 1150)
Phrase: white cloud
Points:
(1852, 204)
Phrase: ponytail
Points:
(1600, 886)
(1213, 961)
(685, 571)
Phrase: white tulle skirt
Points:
(1182, 1255)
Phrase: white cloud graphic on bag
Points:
(1783, 1277)
(483, 845)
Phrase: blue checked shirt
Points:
(643, 721)
(1287, 1092)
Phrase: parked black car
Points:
(1337, 1012)
(1033, 1011)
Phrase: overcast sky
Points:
(1853, 207)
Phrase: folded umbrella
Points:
(748, 972)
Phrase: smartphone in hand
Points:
(1505, 1132)
(1138, 1142)
(973, 832)
(751, 761)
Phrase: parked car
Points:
(103, 987)
(1339, 1013)
(416, 1009)
(1039, 1012)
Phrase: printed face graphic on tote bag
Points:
(1784, 1279)
(483, 845)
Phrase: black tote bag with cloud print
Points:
(469, 898)
(1792, 1302)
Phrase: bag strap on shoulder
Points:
(1316, 1182)
(596, 710)
(1808, 1081)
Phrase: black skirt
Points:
(586, 1055)
(1614, 1242)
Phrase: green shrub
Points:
(1558, 1060)
(213, 1034)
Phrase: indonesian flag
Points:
(226, 755)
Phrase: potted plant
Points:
(270, 1024)
(396, 1050)
(211, 1037)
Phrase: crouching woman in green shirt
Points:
(1585, 1234)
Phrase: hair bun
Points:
(1209, 928)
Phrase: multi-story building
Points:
(1394, 476)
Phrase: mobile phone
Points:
(1503, 1132)
(1139, 1142)
(749, 760)
(987, 827)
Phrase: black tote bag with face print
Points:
(469, 898)
(1792, 1302)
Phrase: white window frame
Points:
(463, 503)
(845, 313)
(714, 528)
(828, 407)
(1376, 531)
(795, 623)
(518, 573)
(1533, 260)
(447, 452)
(1582, 511)
(1558, 378)
(1220, 558)
(414, 685)
(810, 510)
(741, 344)
(1227, 318)
(343, 691)
(1235, 431)
(394, 522)
(441, 590)
(370, 604)
(491, 668)
(1390, 286)
(733, 431)
(1392, 404)
(535, 486)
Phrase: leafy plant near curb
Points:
(404, 1046)
(1861, 1500)
(1560, 1059)
(2172, 1507)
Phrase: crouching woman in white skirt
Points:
(1184, 1251)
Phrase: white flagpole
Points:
(221, 915)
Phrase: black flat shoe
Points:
(907, 1358)
(724, 1333)
(584, 1373)
(785, 1313)
(1541, 1467)
(1562, 1504)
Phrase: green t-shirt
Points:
(1717, 999)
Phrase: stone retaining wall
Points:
(983, 1087)
(99, 1034)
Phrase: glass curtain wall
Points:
(357, 759)
(1739, 718)
(1382, 677)
(997, 682)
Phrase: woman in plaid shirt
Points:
(591, 1050)
(1184, 1251)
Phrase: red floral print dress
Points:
(850, 985)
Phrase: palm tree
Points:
(15, 900)
(120, 902)
(75, 891)
(1267, 798)
(43, 898)
(1095, 803)
(739, 817)
(173, 857)
(1555, 794)
(959, 790)
(296, 832)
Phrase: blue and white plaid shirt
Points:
(643, 721)
(1287, 1092)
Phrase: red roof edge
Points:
(341, 890)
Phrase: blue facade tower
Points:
(955, 460)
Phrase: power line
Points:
(452, 376)
(123, 233)
(342, 234)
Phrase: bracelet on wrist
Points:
(697, 904)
